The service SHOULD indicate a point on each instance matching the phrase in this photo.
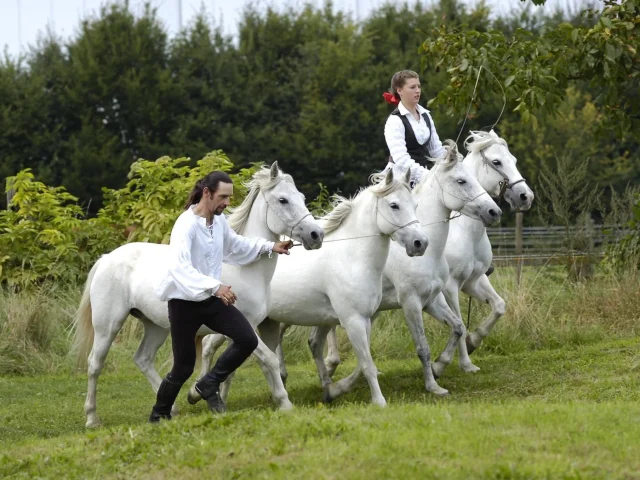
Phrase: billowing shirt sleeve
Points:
(239, 250)
(187, 279)
(395, 137)
(435, 147)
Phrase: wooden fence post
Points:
(519, 243)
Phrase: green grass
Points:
(561, 413)
(558, 396)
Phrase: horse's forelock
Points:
(479, 140)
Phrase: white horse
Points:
(342, 283)
(415, 284)
(120, 283)
(468, 250)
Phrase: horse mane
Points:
(261, 180)
(479, 140)
(342, 206)
(451, 154)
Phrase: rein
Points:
(377, 212)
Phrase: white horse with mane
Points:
(342, 283)
(468, 249)
(120, 283)
(467, 252)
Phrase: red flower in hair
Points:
(390, 98)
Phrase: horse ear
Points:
(451, 158)
(389, 178)
(275, 170)
(407, 176)
(493, 133)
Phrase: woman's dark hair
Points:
(399, 79)
(211, 181)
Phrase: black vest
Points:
(419, 153)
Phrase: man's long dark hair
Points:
(211, 181)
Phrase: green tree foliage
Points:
(45, 234)
(303, 86)
(538, 68)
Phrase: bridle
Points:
(266, 215)
(399, 227)
(505, 184)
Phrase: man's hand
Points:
(225, 294)
(283, 247)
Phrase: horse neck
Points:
(256, 226)
(362, 222)
(474, 227)
(433, 215)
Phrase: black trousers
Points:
(186, 318)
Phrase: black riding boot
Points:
(209, 388)
(167, 394)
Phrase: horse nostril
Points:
(417, 244)
(493, 213)
(315, 235)
(523, 197)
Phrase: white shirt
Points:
(395, 136)
(196, 253)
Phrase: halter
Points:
(266, 215)
(378, 212)
(504, 184)
(454, 196)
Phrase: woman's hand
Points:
(225, 294)
(283, 247)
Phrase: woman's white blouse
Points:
(196, 253)
(395, 136)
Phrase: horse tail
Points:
(83, 323)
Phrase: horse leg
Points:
(268, 361)
(107, 321)
(280, 352)
(358, 330)
(412, 308)
(482, 290)
(154, 337)
(316, 345)
(332, 359)
(439, 309)
(210, 345)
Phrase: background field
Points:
(557, 397)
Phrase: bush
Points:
(46, 235)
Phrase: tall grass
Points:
(545, 311)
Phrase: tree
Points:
(537, 69)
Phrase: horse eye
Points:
(394, 206)
(461, 182)
(497, 163)
(283, 201)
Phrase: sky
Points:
(21, 21)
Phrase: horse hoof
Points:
(471, 368)
(326, 395)
(472, 344)
(93, 424)
(193, 396)
(437, 369)
(438, 391)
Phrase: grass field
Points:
(558, 396)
